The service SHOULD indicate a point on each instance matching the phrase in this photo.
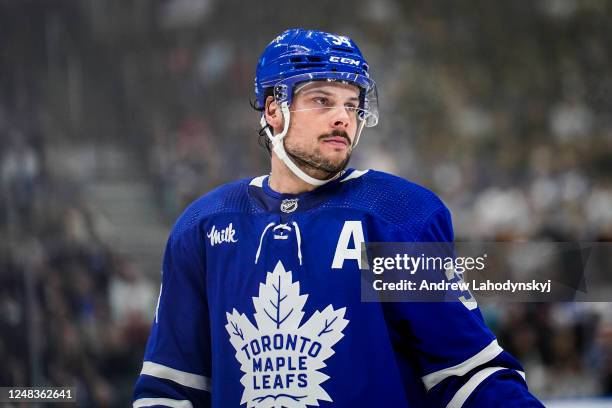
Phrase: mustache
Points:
(337, 133)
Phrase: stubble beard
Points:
(315, 164)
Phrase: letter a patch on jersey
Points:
(351, 231)
(279, 357)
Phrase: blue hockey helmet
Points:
(297, 56)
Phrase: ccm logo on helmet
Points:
(344, 60)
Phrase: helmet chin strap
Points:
(278, 146)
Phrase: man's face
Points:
(322, 127)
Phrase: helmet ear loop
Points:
(266, 128)
(358, 135)
(278, 145)
(362, 97)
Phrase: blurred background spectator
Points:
(114, 115)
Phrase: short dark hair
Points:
(262, 136)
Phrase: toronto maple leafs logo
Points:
(280, 358)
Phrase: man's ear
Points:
(273, 114)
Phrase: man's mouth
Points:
(336, 141)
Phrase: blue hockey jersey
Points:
(260, 307)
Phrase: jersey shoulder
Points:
(227, 198)
(393, 199)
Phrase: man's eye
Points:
(321, 101)
(350, 107)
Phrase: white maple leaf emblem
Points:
(281, 359)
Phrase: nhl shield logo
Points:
(289, 205)
(280, 354)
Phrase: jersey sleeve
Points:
(177, 365)
(448, 345)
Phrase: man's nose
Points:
(340, 117)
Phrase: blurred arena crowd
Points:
(502, 108)
(71, 308)
(66, 299)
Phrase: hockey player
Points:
(260, 299)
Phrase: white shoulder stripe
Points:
(486, 354)
(164, 402)
(181, 377)
(258, 181)
(464, 392)
(355, 174)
